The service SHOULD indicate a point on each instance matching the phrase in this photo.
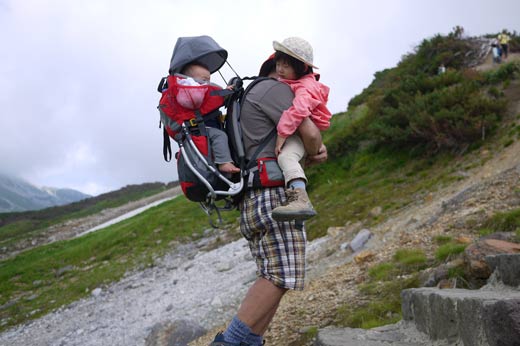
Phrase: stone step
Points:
(432, 316)
(506, 268)
(468, 317)
(399, 334)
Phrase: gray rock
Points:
(223, 267)
(360, 239)
(32, 297)
(176, 333)
(97, 292)
(502, 322)
(507, 267)
(470, 317)
(400, 334)
(64, 270)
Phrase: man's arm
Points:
(320, 157)
(311, 137)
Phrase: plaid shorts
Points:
(277, 247)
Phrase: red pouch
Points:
(269, 172)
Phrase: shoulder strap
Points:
(167, 149)
(269, 136)
(255, 81)
(263, 143)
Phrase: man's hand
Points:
(279, 144)
(320, 157)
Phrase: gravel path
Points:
(205, 287)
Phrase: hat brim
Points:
(284, 49)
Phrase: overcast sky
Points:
(78, 78)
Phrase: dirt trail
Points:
(489, 64)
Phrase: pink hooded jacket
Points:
(310, 99)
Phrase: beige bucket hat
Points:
(296, 47)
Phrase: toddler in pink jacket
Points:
(294, 66)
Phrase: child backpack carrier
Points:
(187, 111)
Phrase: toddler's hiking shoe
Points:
(298, 207)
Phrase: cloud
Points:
(78, 78)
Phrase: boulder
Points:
(475, 255)
(174, 333)
(360, 240)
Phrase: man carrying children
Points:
(277, 247)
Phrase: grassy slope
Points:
(40, 280)
(19, 226)
(348, 188)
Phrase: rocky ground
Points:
(492, 188)
(453, 211)
(203, 285)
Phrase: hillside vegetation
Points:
(409, 130)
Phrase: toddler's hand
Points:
(279, 144)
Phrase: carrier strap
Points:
(200, 123)
(163, 84)
(252, 161)
(167, 148)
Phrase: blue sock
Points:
(254, 340)
(297, 184)
(237, 331)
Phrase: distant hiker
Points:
(294, 66)
(441, 70)
(504, 39)
(495, 50)
(278, 248)
(198, 75)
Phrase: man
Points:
(277, 247)
(504, 39)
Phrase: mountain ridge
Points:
(17, 194)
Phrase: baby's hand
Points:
(279, 144)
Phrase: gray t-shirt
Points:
(261, 111)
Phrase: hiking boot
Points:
(298, 207)
(220, 341)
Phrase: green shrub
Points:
(447, 250)
(456, 272)
(411, 106)
(382, 271)
(410, 257)
(384, 307)
(504, 73)
(442, 239)
(503, 222)
(485, 231)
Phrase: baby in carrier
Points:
(191, 97)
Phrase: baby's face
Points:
(199, 73)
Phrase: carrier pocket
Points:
(269, 172)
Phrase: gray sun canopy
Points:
(202, 49)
